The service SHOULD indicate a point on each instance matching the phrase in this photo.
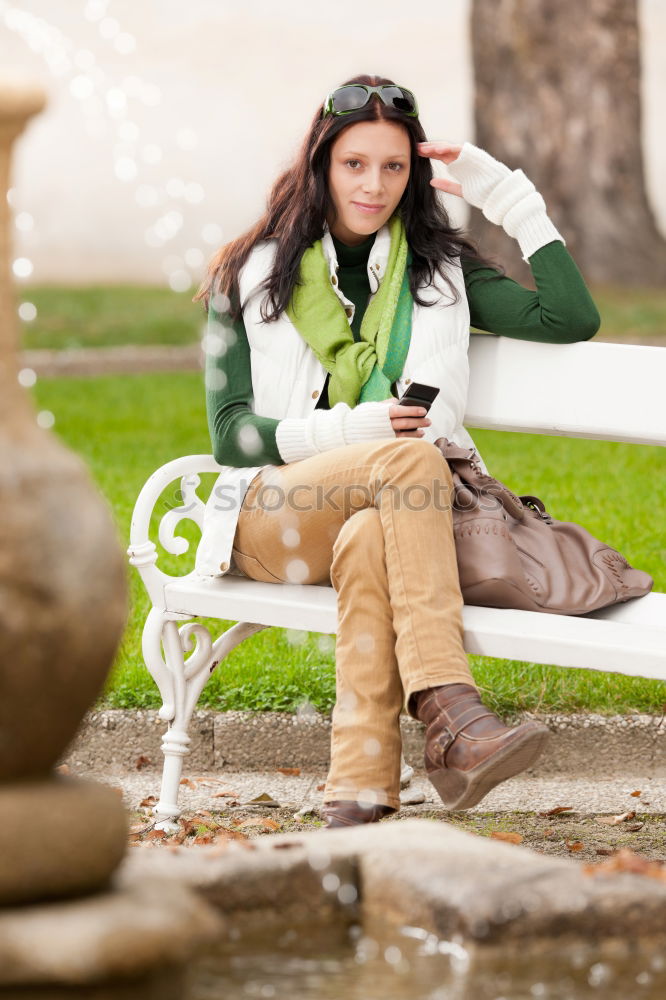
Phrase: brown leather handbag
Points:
(512, 554)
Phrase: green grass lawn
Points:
(110, 315)
(125, 314)
(127, 426)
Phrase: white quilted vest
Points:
(287, 377)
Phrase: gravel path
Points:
(595, 818)
(208, 790)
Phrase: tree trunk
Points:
(558, 94)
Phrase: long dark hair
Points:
(299, 204)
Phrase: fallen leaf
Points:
(148, 802)
(636, 795)
(188, 782)
(225, 795)
(187, 826)
(320, 788)
(142, 761)
(510, 838)
(268, 824)
(264, 800)
(63, 769)
(635, 827)
(625, 860)
(225, 834)
(220, 845)
(292, 771)
(207, 781)
(180, 836)
(615, 820)
(203, 838)
(605, 851)
(137, 830)
(574, 845)
(202, 819)
(556, 811)
(156, 835)
(549, 833)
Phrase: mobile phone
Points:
(418, 394)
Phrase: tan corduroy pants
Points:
(373, 519)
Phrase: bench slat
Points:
(629, 647)
(288, 605)
(610, 392)
(612, 647)
(649, 610)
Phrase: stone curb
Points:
(585, 745)
(126, 360)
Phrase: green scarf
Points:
(365, 369)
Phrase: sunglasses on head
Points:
(354, 96)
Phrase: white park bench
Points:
(613, 392)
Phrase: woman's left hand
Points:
(446, 152)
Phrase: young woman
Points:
(351, 286)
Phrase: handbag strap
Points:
(465, 462)
(538, 507)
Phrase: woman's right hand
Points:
(408, 421)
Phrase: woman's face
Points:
(369, 171)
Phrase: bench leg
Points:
(174, 747)
(180, 682)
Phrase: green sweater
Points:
(560, 311)
(353, 277)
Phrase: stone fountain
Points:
(63, 599)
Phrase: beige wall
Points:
(125, 188)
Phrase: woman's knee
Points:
(417, 459)
(360, 537)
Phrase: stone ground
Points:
(560, 816)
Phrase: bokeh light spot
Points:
(27, 311)
(45, 419)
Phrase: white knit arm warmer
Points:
(506, 197)
(301, 437)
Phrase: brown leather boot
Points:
(468, 750)
(353, 813)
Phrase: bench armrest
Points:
(142, 552)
